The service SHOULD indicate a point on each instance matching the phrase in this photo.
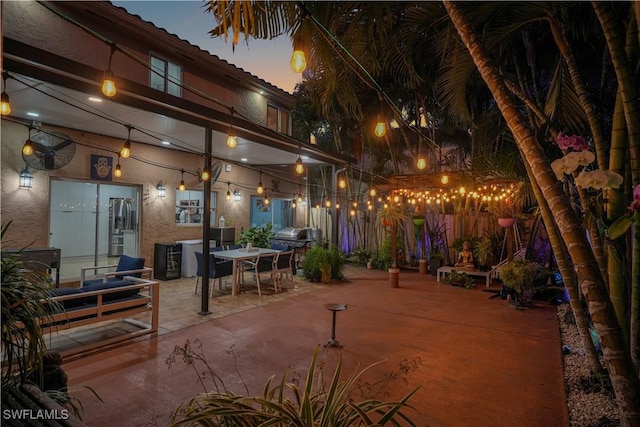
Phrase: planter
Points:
(418, 221)
(394, 277)
(434, 265)
(506, 222)
(422, 266)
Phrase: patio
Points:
(479, 362)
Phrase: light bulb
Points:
(260, 188)
(380, 129)
(181, 187)
(298, 61)
(204, 176)
(108, 84)
(422, 163)
(126, 149)
(299, 166)
(5, 106)
(117, 172)
(342, 183)
(372, 192)
(232, 141)
(444, 179)
(228, 195)
(27, 148)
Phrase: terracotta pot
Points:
(422, 266)
(394, 277)
(506, 222)
(386, 223)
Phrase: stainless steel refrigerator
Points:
(121, 218)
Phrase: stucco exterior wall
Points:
(28, 209)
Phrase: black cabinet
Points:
(167, 261)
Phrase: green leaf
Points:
(619, 227)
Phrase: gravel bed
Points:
(590, 404)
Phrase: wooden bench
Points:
(86, 308)
(442, 271)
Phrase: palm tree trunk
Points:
(616, 207)
(594, 124)
(568, 277)
(623, 377)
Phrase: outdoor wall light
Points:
(162, 191)
(236, 195)
(5, 105)
(182, 187)
(125, 151)
(108, 82)
(26, 179)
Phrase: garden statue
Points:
(465, 259)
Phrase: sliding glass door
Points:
(92, 224)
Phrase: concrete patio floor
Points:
(479, 362)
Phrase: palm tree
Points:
(621, 370)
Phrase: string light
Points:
(5, 105)
(266, 199)
(232, 141)
(182, 187)
(260, 188)
(299, 166)
(27, 148)
(108, 82)
(228, 192)
(380, 129)
(205, 175)
(422, 163)
(298, 58)
(125, 151)
(444, 179)
(117, 172)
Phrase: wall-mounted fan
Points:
(216, 169)
(51, 150)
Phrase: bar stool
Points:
(334, 308)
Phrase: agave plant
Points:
(287, 404)
(25, 301)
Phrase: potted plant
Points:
(521, 276)
(456, 278)
(482, 248)
(393, 215)
(435, 261)
(258, 236)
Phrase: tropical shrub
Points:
(318, 256)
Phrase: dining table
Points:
(238, 256)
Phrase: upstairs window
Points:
(166, 76)
(278, 120)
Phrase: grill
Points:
(293, 237)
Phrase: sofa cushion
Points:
(75, 302)
(111, 296)
(127, 263)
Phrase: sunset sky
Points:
(267, 59)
